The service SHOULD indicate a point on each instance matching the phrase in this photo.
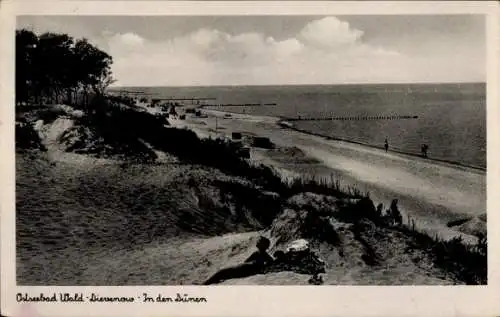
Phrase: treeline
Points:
(54, 68)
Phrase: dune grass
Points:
(468, 263)
(323, 185)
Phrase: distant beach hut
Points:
(236, 135)
(262, 142)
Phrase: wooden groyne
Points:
(353, 118)
(242, 105)
(187, 99)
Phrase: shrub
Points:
(263, 206)
(393, 214)
(26, 137)
(355, 211)
(49, 114)
(468, 263)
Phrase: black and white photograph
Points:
(230, 150)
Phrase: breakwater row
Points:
(352, 118)
(241, 105)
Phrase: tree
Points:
(26, 43)
(95, 66)
(51, 65)
(55, 63)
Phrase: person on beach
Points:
(254, 264)
(386, 145)
(424, 149)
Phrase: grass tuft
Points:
(466, 262)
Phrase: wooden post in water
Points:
(216, 126)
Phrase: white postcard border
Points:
(254, 300)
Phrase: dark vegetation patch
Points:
(313, 216)
(250, 201)
(110, 129)
(26, 137)
(466, 262)
(458, 222)
(32, 113)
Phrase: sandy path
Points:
(431, 192)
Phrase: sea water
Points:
(451, 118)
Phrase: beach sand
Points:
(430, 192)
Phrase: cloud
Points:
(325, 51)
(125, 43)
(329, 33)
(128, 39)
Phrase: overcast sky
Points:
(276, 50)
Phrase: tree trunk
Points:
(68, 95)
(75, 96)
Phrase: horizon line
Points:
(338, 84)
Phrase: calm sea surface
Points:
(451, 117)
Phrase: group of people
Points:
(423, 148)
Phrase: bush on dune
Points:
(46, 113)
(112, 129)
(250, 201)
(26, 137)
(468, 263)
(308, 216)
(124, 124)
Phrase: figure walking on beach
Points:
(424, 149)
(386, 145)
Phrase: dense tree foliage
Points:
(55, 68)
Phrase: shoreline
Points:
(284, 123)
(412, 155)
